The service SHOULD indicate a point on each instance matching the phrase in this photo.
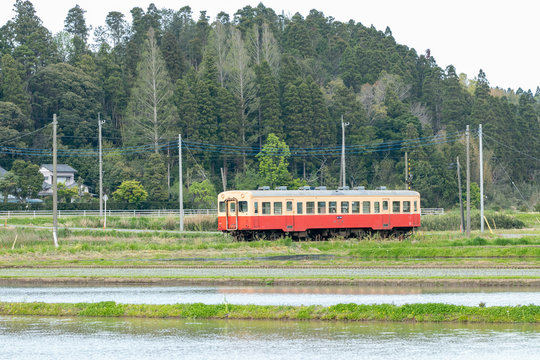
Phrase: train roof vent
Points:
(281, 188)
(343, 188)
(320, 188)
(305, 188)
(359, 188)
(381, 187)
(264, 188)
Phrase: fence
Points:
(431, 211)
(125, 213)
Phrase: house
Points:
(64, 174)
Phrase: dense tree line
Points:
(235, 80)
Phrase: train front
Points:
(232, 210)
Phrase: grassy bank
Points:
(349, 312)
(33, 247)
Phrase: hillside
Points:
(225, 84)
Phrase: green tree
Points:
(12, 88)
(29, 180)
(118, 170)
(202, 195)
(270, 120)
(130, 191)
(155, 178)
(173, 57)
(75, 23)
(70, 93)
(66, 194)
(8, 185)
(273, 162)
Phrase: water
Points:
(272, 295)
(54, 338)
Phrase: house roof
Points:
(59, 167)
(2, 171)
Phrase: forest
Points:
(259, 98)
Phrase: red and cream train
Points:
(317, 214)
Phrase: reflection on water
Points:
(272, 295)
(53, 338)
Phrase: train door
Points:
(385, 211)
(289, 215)
(256, 212)
(231, 216)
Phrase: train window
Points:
(376, 207)
(256, 207)
(289, 205)
(278, 207)
(356, 207)
(222, 206)
(396, 207)
(366, 207)
(344, 207)
(299, 207)
(332, 207)
(266, 208)
(415, 206)
(232, 207)
(321, 207)
(385, 205)
(243, 206)
(406, 206)
(310, 207)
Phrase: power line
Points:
(512, 148)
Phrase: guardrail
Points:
(431, 211)
(124, 213)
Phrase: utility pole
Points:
(100, 167)
(406, 172)
(481, 178)
(54, 187)
(180, 183)
(343, 178)
(467, 135)
(462, 227)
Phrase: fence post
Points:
(34, 214)
(8, 214)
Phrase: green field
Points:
(347, 312)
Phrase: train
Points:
(317, 213)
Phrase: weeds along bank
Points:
(28, 247)
(345, 312)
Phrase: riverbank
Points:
(340, 312)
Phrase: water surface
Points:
(271, 295)
(66, 338)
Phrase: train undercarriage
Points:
(319, 234)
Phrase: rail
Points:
(124, 213)
(431, 211)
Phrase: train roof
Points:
(296, 193)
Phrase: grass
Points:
(452, 221)
(341, 312)
(191, 222)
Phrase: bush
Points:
(451, 221)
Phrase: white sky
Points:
(496, 36)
